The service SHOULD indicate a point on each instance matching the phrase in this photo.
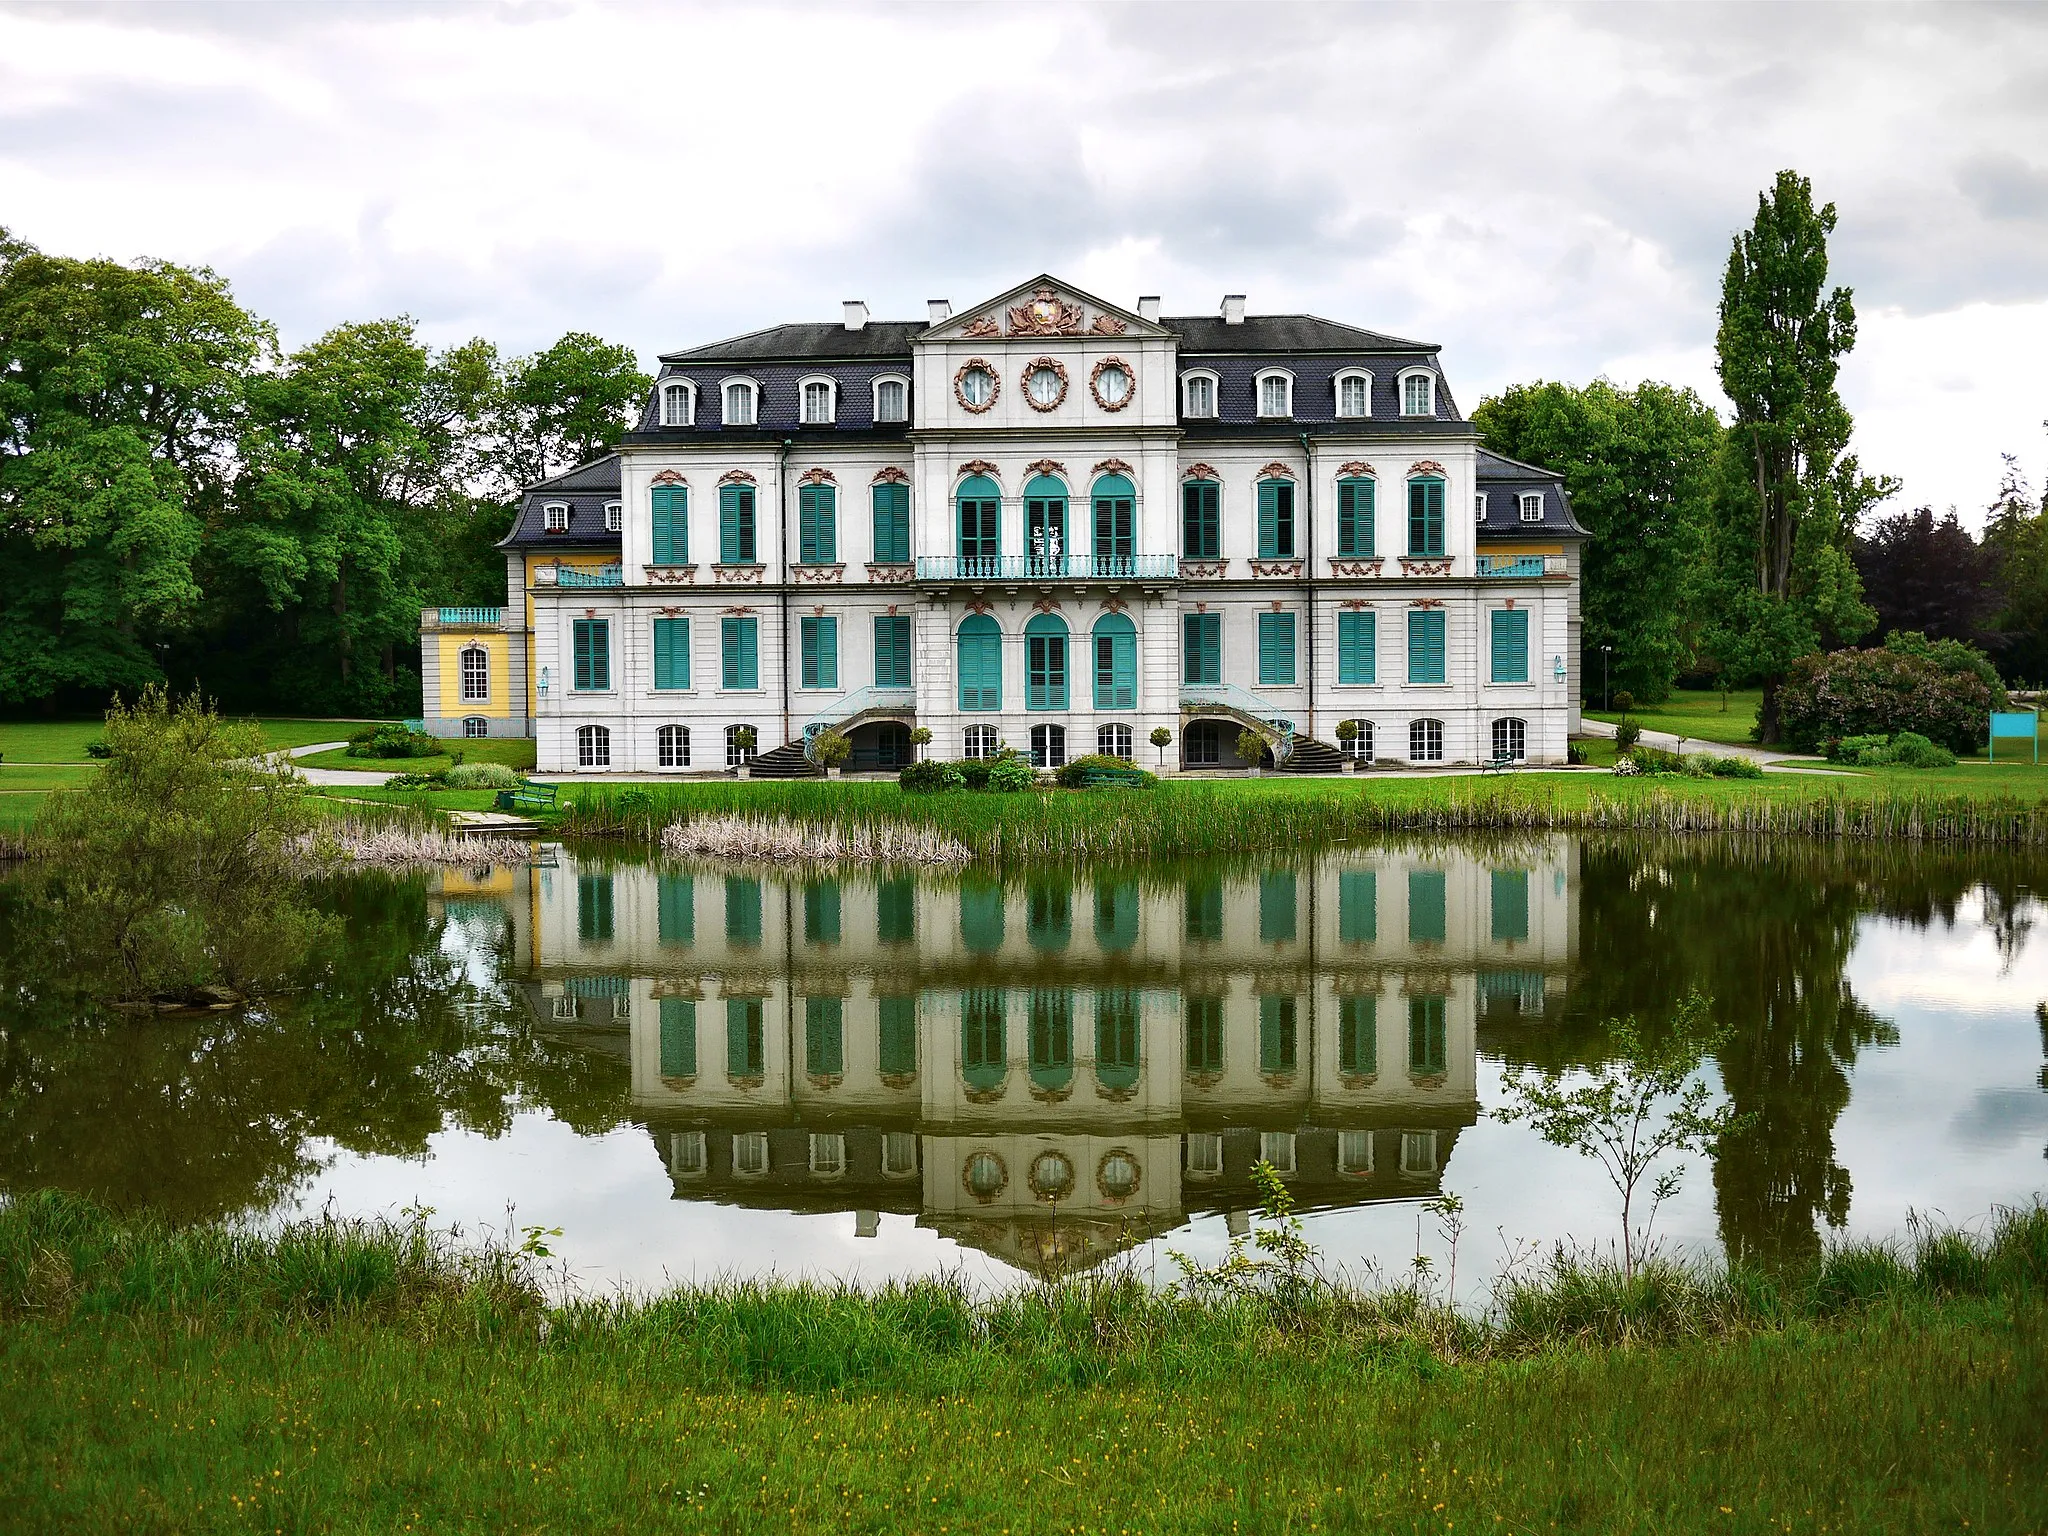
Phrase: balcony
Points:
(569, 576)
(470, 618)
(1519, 567)
(1028, 568)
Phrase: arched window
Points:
(1425, 741)
(678, 405)
(1045, 526)
(1276, 393)
(1116, 1039)
(1198, 394)
(735, 754)
(1048, 746)
(554, 517)
(821, 400)
(1051, 1053)
(476, 674)
(1045, 662)
(981, 511)
(614, 516)
(1359, 747)
(980, 648)
(1276, 519)
(1354, 393)
(475, 726)
(1116, 526)
(739, 402)
(672, 746)
(892, 399)
(1426, 516)
(1418, 392)
(1201, 520)
(1530, 504)
(593, 746)
(1114, 741)
(978, 742)
(1116, 663)
(1510, 741)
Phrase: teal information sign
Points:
(2016, 724)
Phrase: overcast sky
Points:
(1548, 191)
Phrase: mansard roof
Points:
(585, 489)
(1501, 482)
(808, 341)
(1203, 335)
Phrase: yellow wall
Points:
(1490, 548)
(495, 881)
(453, 706)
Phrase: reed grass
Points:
(404, 841)
(782, 841)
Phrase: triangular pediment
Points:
(1044, 308)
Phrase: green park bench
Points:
(1499, 763)
(1111, 778)
(527, 797)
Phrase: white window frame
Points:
(1344, 376)
(1401, 385)
(688, 1158)
(563, 1009)
(475, 728)
(725, 396)
(735, 754)
(1359, 747)
(1277, 1148)
(678, 403)
(1215, 383)
(554, 517)
(662, 746)
(593, 746)
(1422, 1143)
(892, 1168)
(828, 1155)
(1349, 1143)
(1479, 506)
(1424, 722)
(1259, 382)
(484, 671)
(1509, 726)
(902, 381)
(1205, 1155)
(750, 1155)
(1530, 506)
(979, 742)
(804, 387)
(614, 516)
(1116, 740)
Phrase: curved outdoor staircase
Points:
(1312, 756)
(786, 762)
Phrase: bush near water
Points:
(1937, 691)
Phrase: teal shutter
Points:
(981, 509)
(1202, 911)
(1425, 645)
(1354, 517)
(678, 1037)
(1116, 663)
(1426, 517)
(736, 525)
(817, 514)
(592, 642)
(742, 912)
(980, 656)
(1201, 524)
(824, 1037)
(1511, 645)
(819, 639)
(1277, 1034)
(671, 525)
(676, 910)
(1045, 663)
(1358, 1028)
(896, 911)
(981, 917)
(821, 912)
(898, 1021)
(594, 907)
(1358, 906)
(1510, 904)
(1276, 907)
(1276, 519)
(1428, 1039)
(1357, 647)
(1202, 648)
(671, 653)
(892, 524)
(1116, 917)
(746, 1039)
(1425, 906)
(1276, 650)
(892, 652)
(739, 652)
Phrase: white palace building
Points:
(1046, 522)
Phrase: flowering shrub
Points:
(1878, 692)
(1626, 767)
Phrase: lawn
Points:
(337, 797)
(1697, 716)
(63, 741)
(513, 751)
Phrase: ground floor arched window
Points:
(1114, 741)
(1359, 747)
(1425, 741)
(1510, 741)
(892, 745)
(475, 726)
(1202, 744)
(672, 746)
(980, 742)
(736, 755)
(593, 746)
(1048, 746)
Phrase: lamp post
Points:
(1606, 693)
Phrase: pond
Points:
(700, 1071)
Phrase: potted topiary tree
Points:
(920, 738)
(746, 739)
(1347, 733)
(1161, 738)
(1251, 746)
(833, 750)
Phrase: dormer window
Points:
(1276, 394)
(1479, 507)
(678, 405)
(554, 517)
(740, 395)
(1354, 394)
(820, 402)
(614, 517)
(1532, 506)
(1198, 395)
(892, 400)
(1418, 393)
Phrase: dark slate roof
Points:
(1502, 481)
(780, 404)
(1315, 387)
(808, 341)
(1202, 335)
(586, 489)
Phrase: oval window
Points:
(1112, 386)
(1046, 386)
(985, 1176)
(977, 388)
(1118, 1176)
(1052, 1176)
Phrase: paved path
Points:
(1775, 760)
(360, 780)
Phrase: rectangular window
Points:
(1201, 396)
(1425, 645)
(593, 650)
(736, 525)
(896, 911)
(1277, 1148)
(1510, 905)
(671, 653)
(1203, 912)
(1201, 650)
(476, 676)
(892, 524)
(1358, 647)
(671, 525)
(1358, 1046)
(1276, 650)
(1428, 1039)
(739, 653)
(891, 400)
(1358, 906)
(1426, 518)
(676, 910)
(1354, 517)
(1277, 1035)
(825, 1036)
(892, 651)
(1276, 908)
(898, 1027)
(594, 908)
(1205, 1154)
(818, 640)
(817, 524)
(1116, 671)
(1204, 1035)
(1045, 671)
(1426, 922)
(678, 1037)
(1532, 506)
(1201, 519)
(1510, 645)
(980, 532)
(1354, 1153)
(1276, 519)
(742, 912)
(821, 912)
(746, 1054)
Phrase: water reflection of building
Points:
(1047, 1066)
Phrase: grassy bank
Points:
(1697, 716)
(376, 1378)
(64, 741)
(1262, 815)
(512, 751)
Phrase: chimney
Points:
(856, 315)
(938, 311)
(1233, 309)
(1148, 307)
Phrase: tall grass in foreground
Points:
(62, 1258)
(1195, 820)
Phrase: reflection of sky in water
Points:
(1951, 1119)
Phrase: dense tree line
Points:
(183, 501)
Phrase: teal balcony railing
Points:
(1511, 565)
(1047, 567)
(491, 616)
(603, 576)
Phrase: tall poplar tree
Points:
(1780, 582)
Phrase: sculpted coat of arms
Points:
(1047, 314)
